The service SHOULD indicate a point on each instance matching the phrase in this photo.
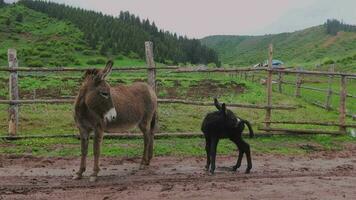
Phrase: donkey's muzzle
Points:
(110, 115)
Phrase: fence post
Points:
(151, 72)
(342, 109)
(269, 87)
(298, 84)
(151, 79)
(330, 91)
(280, 81)
(13, 92)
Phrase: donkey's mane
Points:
(91, 72)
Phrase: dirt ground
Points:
(321, 175)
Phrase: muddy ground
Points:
(321, 175)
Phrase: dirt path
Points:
(316, 176)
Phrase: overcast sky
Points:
(199, 18)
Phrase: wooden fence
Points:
(14, 100)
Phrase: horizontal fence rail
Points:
(163, 101)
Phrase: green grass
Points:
(286, 145)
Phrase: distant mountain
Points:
(324, 44)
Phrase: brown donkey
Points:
(100, 107)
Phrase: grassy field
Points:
(57, 119)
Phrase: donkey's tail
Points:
(249, 128)
(153, 122)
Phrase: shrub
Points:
(88, 53)
(97, 61)
(328, 62)
(211, 65)
(133, 55)
(120, 57)
(45, 55)
(35, 63)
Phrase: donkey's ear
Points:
(107, 70)
(217, 104)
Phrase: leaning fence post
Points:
(329, 91)
(13, 92)
(269, 87)
(151, 79)
(342, 109)
(298, 83)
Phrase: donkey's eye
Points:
(104, 94)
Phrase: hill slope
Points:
(309, 46)
(42, 41)
(125, 34)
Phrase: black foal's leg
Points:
(213, 146)
(246, 149)
(241, 154)
(207, 149)
(248, 157)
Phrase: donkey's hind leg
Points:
(152, 135)
(144, 127)
(84, 140)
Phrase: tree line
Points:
(126, 33)
(333, 26)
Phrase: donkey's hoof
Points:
(247, 171)
(93, 178)
(143, 166)
(207, 167)
(77, 177)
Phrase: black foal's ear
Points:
(217, 104)
(223, 108)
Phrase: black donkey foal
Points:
(224, 124)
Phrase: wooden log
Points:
(313, 123)
(299, 131)
(81, 69)
(269, 86)
(287, 71)
(221, 70)
(151, 73)
(127, 136)
(163, 101)
(14, 93)
(282, 107)
(317, 89)
(342, 108)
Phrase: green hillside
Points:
(306, 47)
(44, 41)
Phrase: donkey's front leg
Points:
(98, 137)
(84, 140)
